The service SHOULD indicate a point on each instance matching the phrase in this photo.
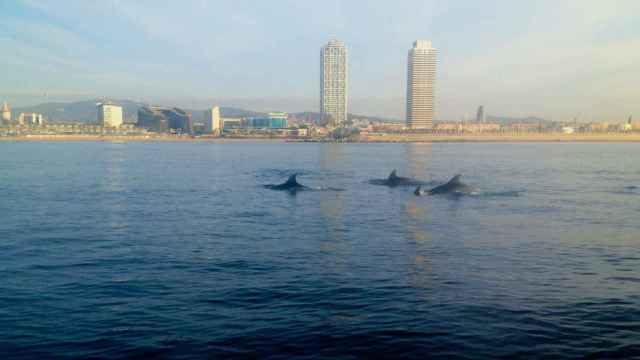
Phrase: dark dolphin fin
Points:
(292, 181)
(448, 187)
(455, 180)
(393, 175)
(418, 191)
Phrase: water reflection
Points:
(115, 154)
(418, 158)
(419, 269)
(331, 204)
(334, 246)
(116, 199)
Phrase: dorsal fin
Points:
(292, 180)
(393, 174)
(418, 190)
(455, 180)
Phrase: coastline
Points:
(404, 138)
(428, 138)
(125, 138)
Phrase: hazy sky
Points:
(556, 59)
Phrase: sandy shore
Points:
(109, 138)
(634, 137)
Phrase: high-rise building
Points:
(161, 119)
(212, 123)
(480, 114)
(6, 113)
(110, 115)
(421, 76)
(333, 83)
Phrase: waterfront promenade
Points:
(392, 138)
(513, 137)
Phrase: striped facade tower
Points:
(333, 83)
(421, 76)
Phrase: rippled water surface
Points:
(176, 250)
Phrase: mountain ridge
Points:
(86, 111)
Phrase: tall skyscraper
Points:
(421, 76)
(110, 115)
(212, 123)
(6, 113)
(333, 83)
(480, 114)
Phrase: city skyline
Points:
(74, 51)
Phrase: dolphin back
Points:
(450, 186)
(290, 184)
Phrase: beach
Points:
(365, 138)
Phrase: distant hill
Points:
(311, 116)
(78, 111)
(87, 111)
(315, 117)
(371, 118)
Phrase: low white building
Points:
(109, 115)
(30, 118)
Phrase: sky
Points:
(555, 59)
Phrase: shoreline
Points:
(506, 138)
(125, 138)
(405, 138)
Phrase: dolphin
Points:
(394, 180)
(290, 185)
(454, 186)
